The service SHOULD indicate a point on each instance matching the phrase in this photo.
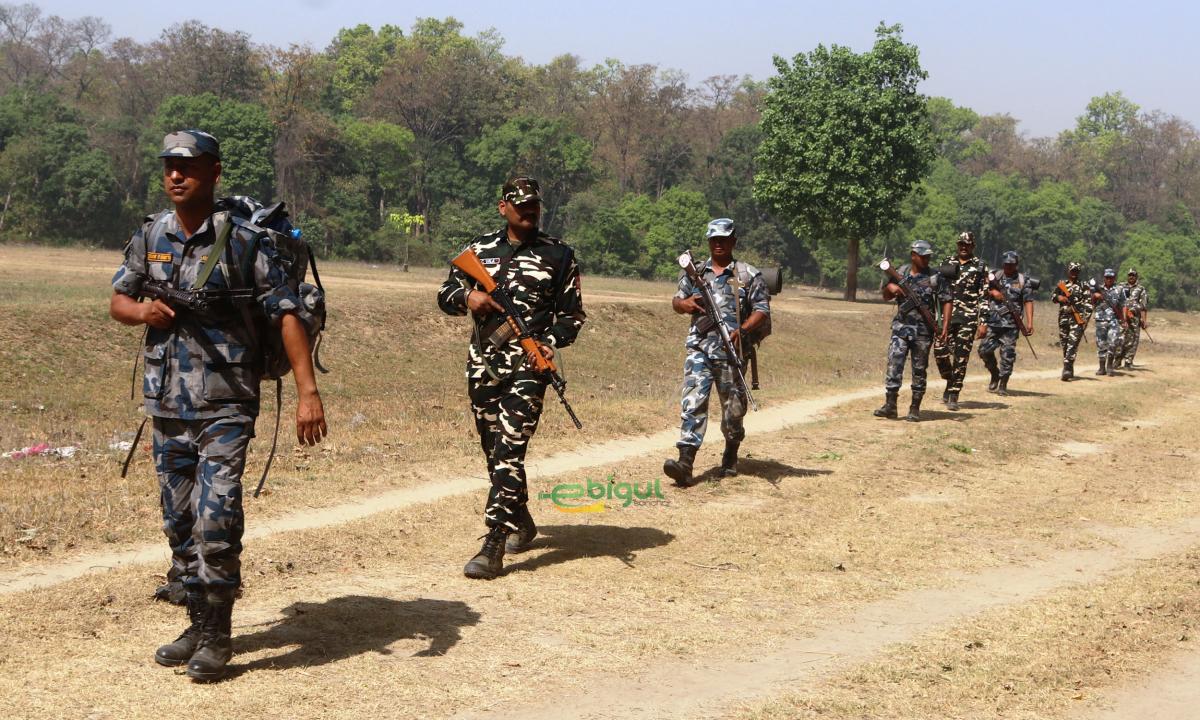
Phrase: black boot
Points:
(521, 540)
(489, 562)
(179, 652)
(914, 408)
(1103, 366)
(1112, 365)
(681, 470)
(1066, 371)
(946, 395)
(989, 361)
(729, 459)
(216, 643)
(1002, 388)
(952, 403)
(888, 409)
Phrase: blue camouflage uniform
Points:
(705, 360)
(201, 384)
(911, 337)
(1108, 323)
(1002, 329)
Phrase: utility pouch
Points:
(497, 332)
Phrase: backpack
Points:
(743, 278)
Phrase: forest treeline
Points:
(395, 141)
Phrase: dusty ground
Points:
(1031, 556)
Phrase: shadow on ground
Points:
(770, 470)
(578, 542)
(350, 625)
(978, 405)
(1028, 393)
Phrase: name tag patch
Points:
(490, 261)
(159, 257)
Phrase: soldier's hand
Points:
(158, 314)
(310, 419)
(547, 353)
(1142, 324)
(893, 289)
(480, 303)
(981, 332)
(943, 337)
(690, 305)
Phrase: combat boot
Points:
(1002, 388)
(952, 403)
(1066, 372)
(989, 361)
(522, 539)
(914, 408)
(681, 470)
(729, 459)
(179, 652)
(216, 642)
(1112, 365)
(946, 395)
(490, 561)
(1071, 370)
(1103, 366)
(888, 409)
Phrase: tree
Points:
(243, 129)
(845, 138)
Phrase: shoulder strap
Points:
(214, 255)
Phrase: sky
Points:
(1038, 61)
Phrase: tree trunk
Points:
(852, 269)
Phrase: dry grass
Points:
(374, 615)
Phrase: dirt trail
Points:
(1172, 693)
(589, 456)
(688, 690)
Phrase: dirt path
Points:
(1171, 693)
(687, 690)
(767, 420)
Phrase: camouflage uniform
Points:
(706, 361)
(201, 385)
(1070, 333)
(1135, 301)
(969, 305)
(542, 278)
(910, 335)
(1108, 324)
(1002, 329)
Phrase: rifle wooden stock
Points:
(1062, 288)
(469, 263)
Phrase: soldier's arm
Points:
(124, 306)
(760, 303)
(568, 308)
(452, 296)
(310, 411)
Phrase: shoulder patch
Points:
(159, 257)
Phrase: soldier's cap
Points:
(967, 238)
(721, 227)
(1011, 256)
(1109, 272)
(922, 247)
(1132, 272)
(1074, 267)
(190, 143)
(520, 190)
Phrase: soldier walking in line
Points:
(1074, 309)
(1013, 293)
(540, 275)
(1136, 305)
(969, 309)
(1109, 300)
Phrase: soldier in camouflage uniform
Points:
(911, 336)
(1070, 331)
(541, 276)
(1012, 292)
(201, 384)
(969, 309)
(1136, 303)
(743, 304)
(1109, 300)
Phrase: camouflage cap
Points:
(966, 237)
(520, 190)
(1109, 272)
(922, 247)
(1011, 256)
(721, 227)
(1074, 267)
(190, 143)
(1132, 272)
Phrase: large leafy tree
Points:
(846, 136)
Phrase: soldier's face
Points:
(1133, 279)
(966, 250)
(721, 248)
(1073, 275)
(524, 217)
(920, 262)
(188, 180)
(1108, 282)
(1010, 269)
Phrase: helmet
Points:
(922, 247)
(967, 237)
(721, 227)
(1011, 257)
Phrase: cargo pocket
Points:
(229, 374)
(155, 361)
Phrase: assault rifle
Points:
(1018, 313)
(1062, 289)
(469, 263)
(886, 266)
(714, 317)
(1132, 317)
(193, 300)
